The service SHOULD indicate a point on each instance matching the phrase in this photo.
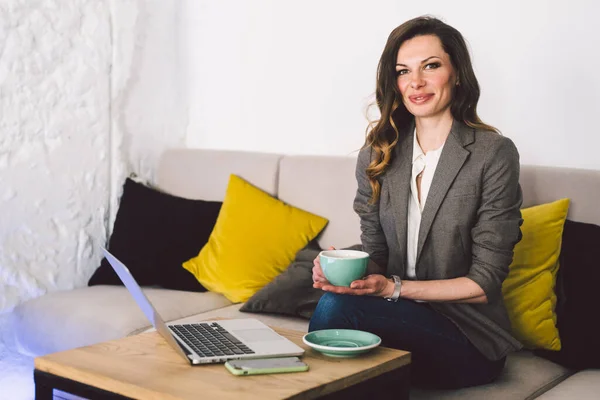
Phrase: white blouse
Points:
(424, 164)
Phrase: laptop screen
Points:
(142, 301)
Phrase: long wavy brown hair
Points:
(383, 134)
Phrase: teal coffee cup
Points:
(342, 267)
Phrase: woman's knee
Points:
(333, 311)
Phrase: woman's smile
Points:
(419, 99)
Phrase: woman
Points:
(439, 203)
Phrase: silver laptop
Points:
(210, 342)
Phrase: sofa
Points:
(323, 185)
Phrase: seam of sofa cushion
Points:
(144, 328)
(558, 379)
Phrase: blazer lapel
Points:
(451, 161)
(398, 179)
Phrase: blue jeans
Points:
(442, 356)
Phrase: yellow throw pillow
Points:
(255, 238)
(529, 288)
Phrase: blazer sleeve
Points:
(372, 236)
(497, 230)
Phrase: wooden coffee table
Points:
(145, 367)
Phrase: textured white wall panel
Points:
(90, 91)
(149, 102)
(55, 155)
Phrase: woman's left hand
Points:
(370, 285)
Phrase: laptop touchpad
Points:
(256, 335)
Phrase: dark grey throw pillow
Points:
(291, 292)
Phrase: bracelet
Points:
(397, 286)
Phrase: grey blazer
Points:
(469, 225)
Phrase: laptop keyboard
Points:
(210, 340)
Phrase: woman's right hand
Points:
(317, 273)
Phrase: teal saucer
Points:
(341, 342)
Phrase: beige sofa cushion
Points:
(545, 184)
(584, 385)
(204, 174)
(233, 311)
(68, 319)
(524, 377)
(326, 186)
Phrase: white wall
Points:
(54, 124)
(90, 90)
(149, 103)
(294, 77)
